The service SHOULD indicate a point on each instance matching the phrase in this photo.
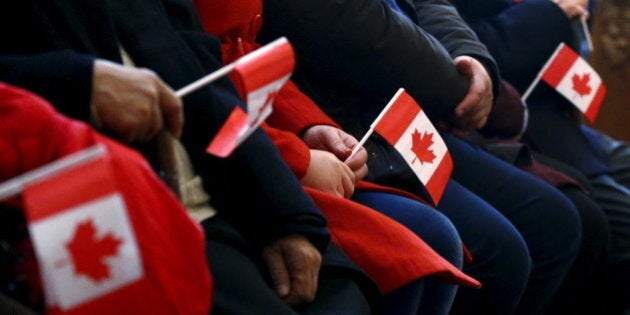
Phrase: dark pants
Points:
(612, 193)
(545, 219)
(583, 289)
(426, 296)
(241, 284)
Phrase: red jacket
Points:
(176, 275)
(390, 253)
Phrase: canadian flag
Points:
(403, 124)
(576, 80)
(104, 246)
(259, 76)
(108, 235)
(82, 236)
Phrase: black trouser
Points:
(242, 287)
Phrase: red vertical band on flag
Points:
(395, 122)
(596, 103)
(226, 140)
(436, 185)
(560, 66)
(265, 64)
(85, 182)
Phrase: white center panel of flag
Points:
(52, 235)
(423, 125)
(591, 80)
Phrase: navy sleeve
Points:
(64, 78)
(366, 46)
(441, 19)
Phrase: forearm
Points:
(441, 19)
(368, 47)
(295, 112)
(64, 78)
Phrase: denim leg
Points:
(438, 232)
(546, 219)
(500, 256)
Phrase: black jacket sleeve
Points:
(62, 77)
(255, 189)
(441, 19)
(366, 46)
(253, 186)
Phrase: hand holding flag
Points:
(259, 75)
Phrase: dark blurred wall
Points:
(611, 58)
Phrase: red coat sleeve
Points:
(293, 151)
(294, 111)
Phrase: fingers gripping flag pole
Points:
(260, 74)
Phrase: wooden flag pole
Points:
(376, 121)
(205, 80)
(587, 33)
(15, 185)
(227, 68)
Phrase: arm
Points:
(335, 41)
(62, 77)
(522, 37)
(441, 19)
(254, 187)
(133, 104)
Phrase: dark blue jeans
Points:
(425, 296)
(509, 220)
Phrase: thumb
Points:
(171, 107)
(337, 146)
(464, 65)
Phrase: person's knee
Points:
(505, 253)
(560, 219)
(440, 233)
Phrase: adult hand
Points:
(327, 173)
(293, 264)
(339, 143)
(573, 8)
(133, 103)
(472, 112)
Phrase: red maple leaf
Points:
(420, 146)
(580, 84)
(88, 253)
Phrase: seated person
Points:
(235, 22)
(355, 55)
(522, 37)
(69, 59)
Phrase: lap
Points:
(242, 286)
(432, 226)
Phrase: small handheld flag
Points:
(259, 76)
(575, 79)
(405, 126)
